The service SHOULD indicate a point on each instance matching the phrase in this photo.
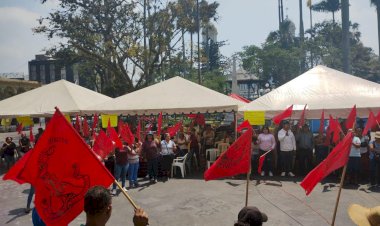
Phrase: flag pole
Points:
(339, 191)
(126, 195)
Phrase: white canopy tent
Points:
(320, 88)
(173, 96)
(39, 102)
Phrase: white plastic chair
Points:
(212, 156)
(179, 162)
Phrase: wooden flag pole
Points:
(339, 191)
(247, 187)
(126, 195)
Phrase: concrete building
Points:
(10, 87)
(45, 70)
(248, 85)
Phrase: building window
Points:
(63, 73)
(52, 73)
(33, 73)
(42, 74)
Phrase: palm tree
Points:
(327, 6)
(376, 3)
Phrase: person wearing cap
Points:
(374, 159)
(364, 216)
(287, 147)
(251, 215)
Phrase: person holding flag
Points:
(121, 166)
(287, 147)
(267, 143)
(150, 149)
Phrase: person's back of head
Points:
(97, 204)
(251, 216)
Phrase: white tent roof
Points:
(172, 96)
(68, 97)
(321, 88)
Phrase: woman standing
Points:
(150, 150)
(182, 144)
(266, 143)
(194, 148)
(121, 166)
(134, 162)
(168, 148)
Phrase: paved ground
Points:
(196, 202)
(192, 201)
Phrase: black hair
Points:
(265, 127)
(96, 200)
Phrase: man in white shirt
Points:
(287, 147)
(353, 165)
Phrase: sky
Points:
(241, 23)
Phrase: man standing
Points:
(374, 159)
(305, 142)
(287, 146)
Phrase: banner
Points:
(6, 121)
(25, 121)
(112, 118)
(256, 118)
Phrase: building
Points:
(45, 70)
(10, 87)
(249, 86)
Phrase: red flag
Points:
(235, 160)
(31, 136)
(370, 123)
(328, 136)
(120, 126)
(138, 131)
(102, 145)
(19, 128)
(62, 168)
(95, 125)
(261, 163)
(337, 131)
(378, 117)
(322, 123)
(336, 159)
(113, 136)
(351, 119)
(85, 128)
(77, 124)
(302, 118)
(198, 118)
(159, 123)
(127, 135)
(174, 129)
(283, 115)
(244, 125)
(14, 172)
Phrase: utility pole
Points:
(199, 48)
(345, 35)
(145, 52)
(302, 37)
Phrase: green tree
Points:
(331, 6)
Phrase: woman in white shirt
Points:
(266, 143)
(168, 148)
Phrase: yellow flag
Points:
(6, 121)
(309, 3)
(25, 120)
(68, 118)
(112, 118)
(255, 117)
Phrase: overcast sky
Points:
(241, 23)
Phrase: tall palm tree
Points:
(327, 6)
(302, 36)
(376, 3)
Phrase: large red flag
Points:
(31, 136)
(174, 129)
(19, 128)
(351, 119)
(235, 160)
(244, 125)
(370, 123)
(336, 159)
(85, 128)
(283, 115)
(302, 118)
(62, 168)
(102, 145)
(95, 125)
(337, 131)
(127, 135)
(77, 124)
(14, 172)
(159, 124)
(322, 122)
(113, 136)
